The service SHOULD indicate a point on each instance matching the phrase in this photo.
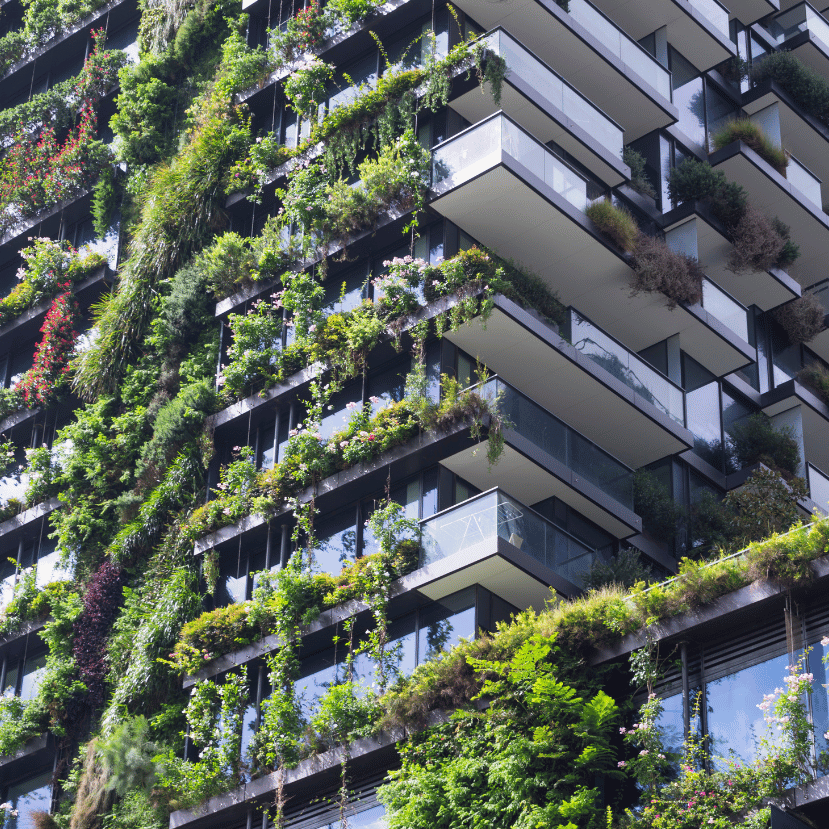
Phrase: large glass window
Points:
(735, 724)
(25, 797)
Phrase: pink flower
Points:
(621, 764)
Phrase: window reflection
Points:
(26, 797)
(735, 724)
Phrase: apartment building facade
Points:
(600, 101)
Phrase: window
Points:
(34, 794)
(22, 673)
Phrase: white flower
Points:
(824, 641)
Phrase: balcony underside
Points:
(551, 237)
(773, 194)
(544, 121)
(766, 289)
(803, 136)
(529, 355)
(576, 54)
(530, 482)
(684, 24)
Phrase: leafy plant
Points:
(757, 440)
(639, 179)
(751, 134)
(617, 224)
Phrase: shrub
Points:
(816, 376)
(757, 440)
(757, 244)
(698, 180)
(617, 224)
(639, 180)
(808, 88)
(653, 503)
(624, 569)
(658, 268)
(745, 130)
(802, 318)
(791, 251)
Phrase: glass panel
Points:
(627, 50)
(12, 675)
(563, 443)
(387, 387)
(337, 542)
(494, 514)
(672, 724)
(626, 366)
(820, 697)
(735, 725)
(714, 12)
(443, 624)
(33, 670)
(32, 795)
(727, 310)
(689, 100)
(49, 568)
(819, 487)
(556, 91)
(480, 147)
(373, 818)
(801, 18)
(803, 179)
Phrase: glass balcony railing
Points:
(818, 487)
(821, 291)
(727, 310)
(493, 514)
(624, 365)
(804, 180)
(622, 46)
(714, 12)
(799, 18)
(562, 442)
(480, 148)
(553, 89)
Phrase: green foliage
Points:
(104, 200)
(617, 224)
(639, 180)
(698, 180)
(816, 376)
(807, 87)
(757, 440)
(751, 134)
(127, 757)
(529, 759)
(625, 569)
(181, 206)
(47, 267)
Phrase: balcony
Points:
(596, 56)
(64, 55)
(820, 344)
(778, 196)
(484, 521)
(801, 134)
(818, 487)
(564, 463)
(701, 26)
(691, 229)
(549, 108)
(793, 404)
(515, 195)
(578, 382)
(804, 31)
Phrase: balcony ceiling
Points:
(765, 289)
